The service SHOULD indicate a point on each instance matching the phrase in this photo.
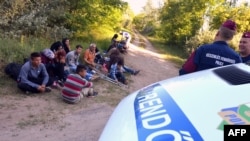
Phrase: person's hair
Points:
(60, 54)
(120, 62)
(64, 40)
(115, 36)
(56, 46)
(34, 55)
(80, 68)
(115, 52)
(92, 44)
(78, 46)
(226, 33)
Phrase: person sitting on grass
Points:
(72, 59)
(66, 45)
(76, 86)
(33, 77)
(115, 70)
(116, 53)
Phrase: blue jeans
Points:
(129, 70)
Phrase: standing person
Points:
(66, 45)
(244, 47)
(216, 54)
(72, 58)
(76, 86)
(33, 77)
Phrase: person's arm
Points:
(189, 66)
(70, 60)
(44, 74)
(87, 84)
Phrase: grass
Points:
(174, 54)
(12, 97)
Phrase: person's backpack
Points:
(13, 69)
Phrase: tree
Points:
(240, 14)
(88, 15)
(182, 19)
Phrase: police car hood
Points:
(192, 107)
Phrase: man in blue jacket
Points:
(244, 47)
(216, 54)
(33, 77)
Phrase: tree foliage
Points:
(181, 19)
(240, 14)
(87, 15)
(148, 21)
(46, 17)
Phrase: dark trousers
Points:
(120, 76)
(56, 71)
(25, 87)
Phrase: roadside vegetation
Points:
(179, 27)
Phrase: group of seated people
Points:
(60, 67)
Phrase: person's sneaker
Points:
(48, 89)
(136, 72)
(60, 83)
(93, 95)
(54, 85)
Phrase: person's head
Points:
(60, 54)
(35, 59)
(81, 70)
(48, 53)
(78, 49)
(226, 31)
(115, 36)
(92, 47)
(65, 41)
(115, 52)
(244, 45)
(56, 46)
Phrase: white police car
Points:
(192, 107)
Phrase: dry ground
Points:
(45, 117)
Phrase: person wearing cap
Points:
(244, 47)
(216, 54)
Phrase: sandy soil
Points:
(47, 118)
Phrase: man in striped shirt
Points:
(76, 86)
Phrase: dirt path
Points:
(47, 118)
